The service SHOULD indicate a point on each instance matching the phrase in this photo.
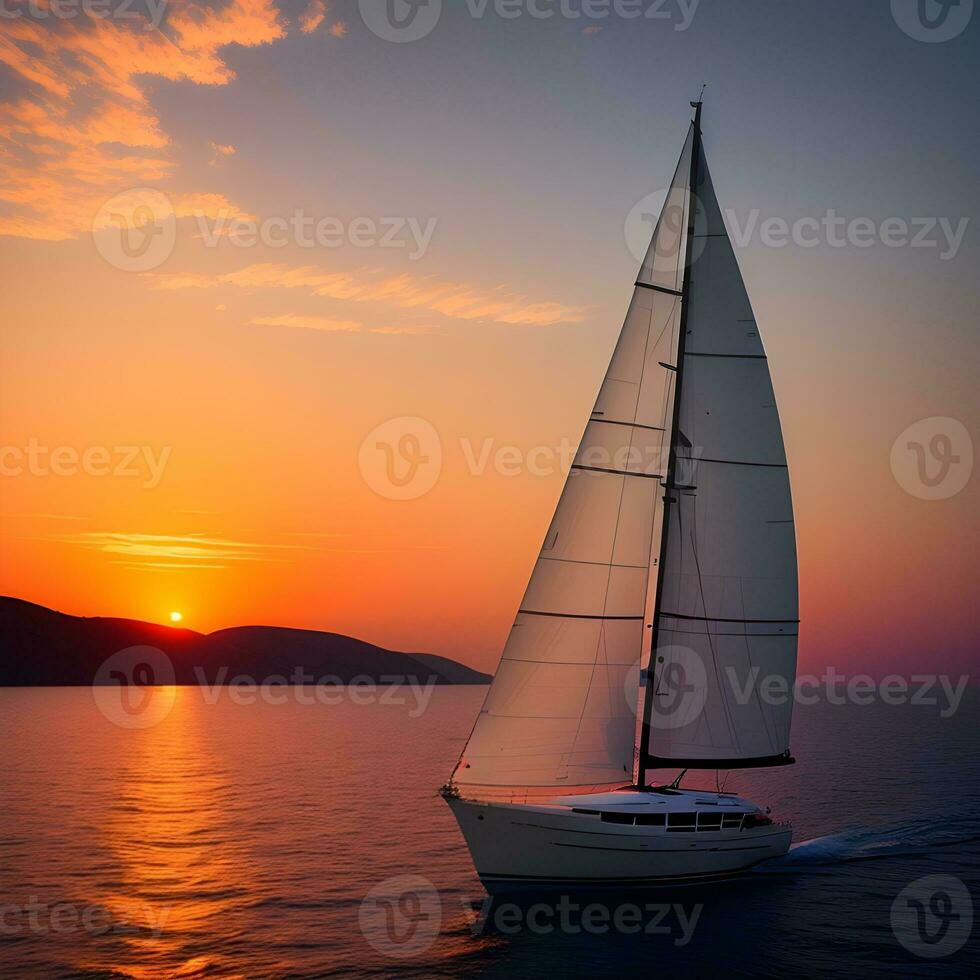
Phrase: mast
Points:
(674, 435)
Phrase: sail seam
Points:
(600, 564)
(659, 289)
(748, 357)
(722, 619)
(734, 462)
(558, 615)
(635, 425)
(564, 663)
(602, 469)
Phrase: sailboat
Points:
(665, 590)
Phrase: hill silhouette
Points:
(44, 648)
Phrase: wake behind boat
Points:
(676, 519)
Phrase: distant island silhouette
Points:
(40, 647)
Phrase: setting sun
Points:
(176, 617)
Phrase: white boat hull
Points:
(568, 843)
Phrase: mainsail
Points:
(727, 616)
(562, 708)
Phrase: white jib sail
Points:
(561, 710)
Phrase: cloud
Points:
(311, 18)
(79, 127)
(590, 31)
(307, 322)
(176, 551)
(456, 300)
(338, 29)
(219, 150)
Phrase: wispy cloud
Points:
(338, 29)
(456, 300)
(59, 517)
(80, 126)
(176, 551)
(307, 322)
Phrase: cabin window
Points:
(651, 820)
(709, 821)
(756, 820)
(731, 821)
(682, 822)
(578, 809)
(625, 818)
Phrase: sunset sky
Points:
(247, 376)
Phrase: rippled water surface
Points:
(240, 840)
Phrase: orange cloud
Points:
(219, 150)
(455, 300)
(176, 551)
(339, 29)
(311, 18)
(62, 160)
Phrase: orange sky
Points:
(247, 378)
